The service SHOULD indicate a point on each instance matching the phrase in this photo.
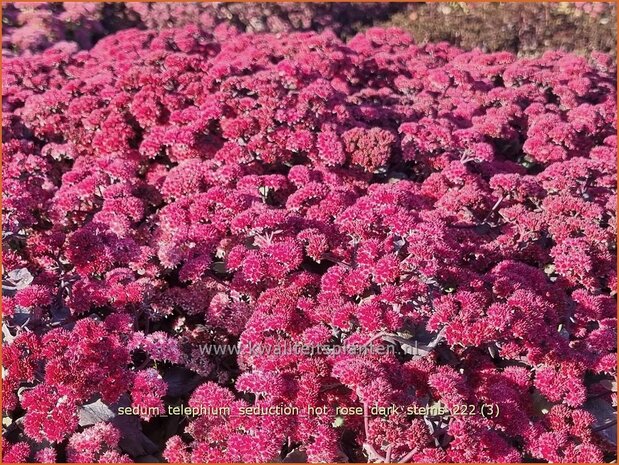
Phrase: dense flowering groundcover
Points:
(523, 28)
(166, 191)
(34, 26)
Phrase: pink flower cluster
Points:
(35, 26)
(342, 18)
(171, 190)
(593, 9)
